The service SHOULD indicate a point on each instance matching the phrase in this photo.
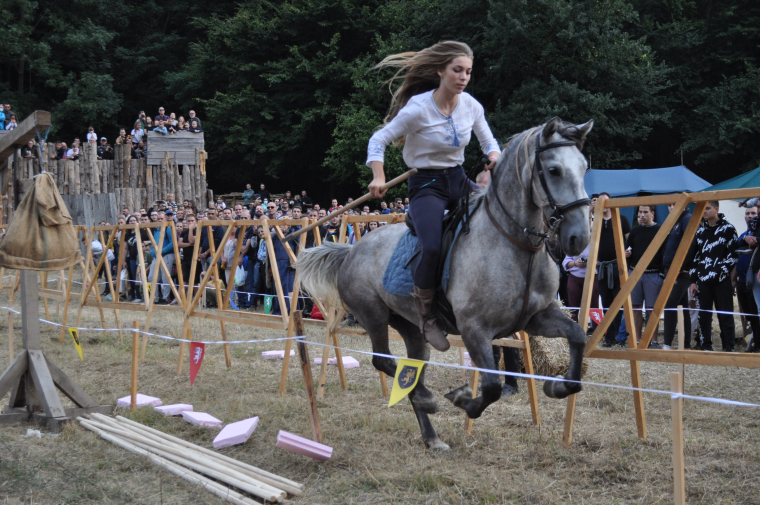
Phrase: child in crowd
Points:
(220, 205)
(137, 132)
(92, 137)
(194, 128)
(12, 124)
(160, 128)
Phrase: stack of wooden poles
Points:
(193, 463)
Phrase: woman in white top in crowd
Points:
(137, 132)
(92, 137)
(434, 118)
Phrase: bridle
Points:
(552, 222)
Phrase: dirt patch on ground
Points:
(379, 456)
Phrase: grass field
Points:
(378, 453)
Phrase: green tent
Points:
(748, 180)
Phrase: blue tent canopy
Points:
(648, 181)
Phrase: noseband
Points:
(553, 222)
(558, 211)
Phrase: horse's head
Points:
(558, 170)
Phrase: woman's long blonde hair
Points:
(419, 71)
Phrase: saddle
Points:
(453, 223)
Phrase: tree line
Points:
(288, 95)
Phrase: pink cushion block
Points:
(141, 401)
(201, 419)
(174, 410)
(348, 362)
(303, 446)
(276, 354)
(236, 433)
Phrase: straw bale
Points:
(551, 356)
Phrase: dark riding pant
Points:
(431, 193)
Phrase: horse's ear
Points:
(585, 128)
(551, 127)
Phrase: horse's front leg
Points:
(481, 353)
(553, 323)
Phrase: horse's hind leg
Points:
(373, 317)
(423, 400)
(553, 323)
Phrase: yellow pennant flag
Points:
(75, 336)
(407, 374)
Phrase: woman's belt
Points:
(440, 170)
(606, 269)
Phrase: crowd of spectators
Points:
(253, 258)
(718, 265)
(137, 138)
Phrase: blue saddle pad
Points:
(398, 279)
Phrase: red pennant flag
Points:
(596, 315)
(197, 351)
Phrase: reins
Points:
(553, 222)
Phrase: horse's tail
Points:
(318, 270)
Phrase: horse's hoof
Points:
(456, 396)
(437, 445)
(561, 389)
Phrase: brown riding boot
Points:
(423, 302)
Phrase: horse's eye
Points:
(556, 171)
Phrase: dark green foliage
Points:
(288, 95)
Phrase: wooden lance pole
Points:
(401, 178)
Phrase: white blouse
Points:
(432, 139)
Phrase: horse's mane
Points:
(524, 143)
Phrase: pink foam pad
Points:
(348, 362)
(174, 410)
(141, 401)
(467, 359)
(303, 446)
(276, 354)
(201, 419)
(236, 433)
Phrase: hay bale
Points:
(551, 356)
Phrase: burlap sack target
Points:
(41, 235)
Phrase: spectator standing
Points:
(331, 231)
(263, 193)
(248, 195)
(141, 117)
(306, 201)
(167, 252)
(608, 279)
(576, 266)
(195, 118)
(92, 137)
(679, 295)
(2, 119)
(105, 151)
(714, 259)
(137, 132)
(12, 124)
(742, 282)
(29, 151)
(162, 117)
(648, 287)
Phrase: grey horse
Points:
(490, 276)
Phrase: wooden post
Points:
(135, 364)
(11, 299)
(531, 383)
(638, 396)
(66, 302)
(218, 285)
(676, 408)
(316, 429)
(474, 386)
(593, 254)
(682, 343)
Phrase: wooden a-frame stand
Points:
(32, 378)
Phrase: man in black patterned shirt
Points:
(710, 273)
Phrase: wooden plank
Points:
(24, 132)
(627, 287)
(531, 383)
(670, 278)
(43, 382)
(13, 373)
(474, 386)
(688, 357)
(676, 406)
(638, 396)
(70, 388)
(303, 353)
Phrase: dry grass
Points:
(379, 457)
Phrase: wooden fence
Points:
(134, 183)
